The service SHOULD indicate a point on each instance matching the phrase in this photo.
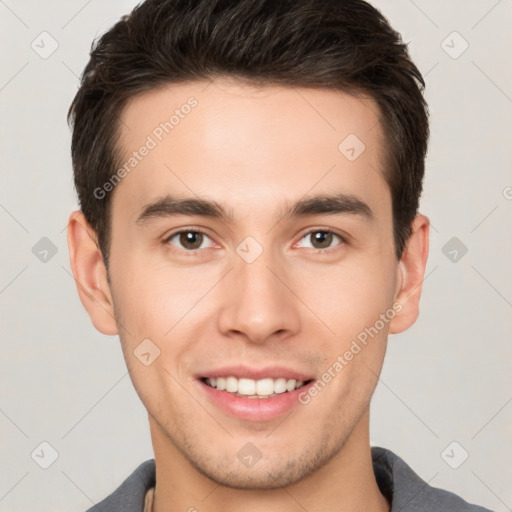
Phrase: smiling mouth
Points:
(250, 388)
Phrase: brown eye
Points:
(188, 239)
(322, 239)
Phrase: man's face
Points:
(250, 297)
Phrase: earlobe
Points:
(90, 274)
(412, 271)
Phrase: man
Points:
(249, 175)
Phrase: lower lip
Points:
(254, 409)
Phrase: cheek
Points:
(359, 313)
(164, 305)
(152, 308)
(347, 297)
(152, 299)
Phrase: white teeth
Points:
(264, 387)
(290, 384)
(249, 388)
(279, 385)
(232, 384)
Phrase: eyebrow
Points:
(169, 206)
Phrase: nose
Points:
(258, 301)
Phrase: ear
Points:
(90, 274)
(411, 269)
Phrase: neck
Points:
(345, 483)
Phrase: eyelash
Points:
(315, 251)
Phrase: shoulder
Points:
(408, 492)
(130, 495)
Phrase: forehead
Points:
(237, 144)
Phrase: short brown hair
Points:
(345, 45)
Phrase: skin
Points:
(253, 150)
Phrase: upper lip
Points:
(242, 371)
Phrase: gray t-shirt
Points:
(403, 488)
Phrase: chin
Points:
(282, 471)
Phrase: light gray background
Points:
(446, 379)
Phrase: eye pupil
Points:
(323, 237)
(191, 237)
